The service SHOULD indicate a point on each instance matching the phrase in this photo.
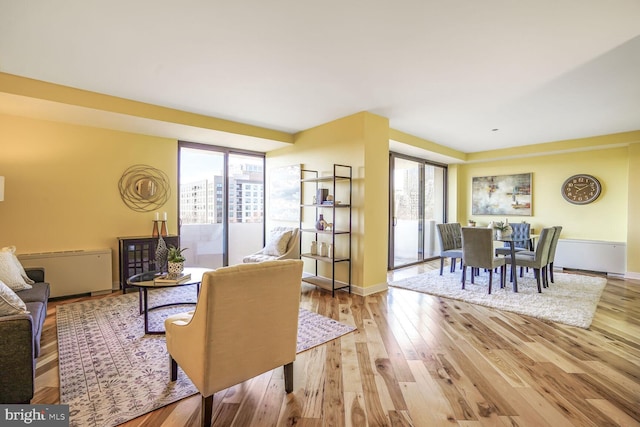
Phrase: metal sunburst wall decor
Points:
(144, 188)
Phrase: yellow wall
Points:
(61, 185)
(353, 140)
(604, 219)
(633, 229)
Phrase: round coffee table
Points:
(145, 281)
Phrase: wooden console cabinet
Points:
(138, 255)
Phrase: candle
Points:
(164, 216)
(157, 216)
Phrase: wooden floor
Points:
(426, 361)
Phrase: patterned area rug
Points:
(571, 300)
(111, 372)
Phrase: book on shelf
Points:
(172, 278)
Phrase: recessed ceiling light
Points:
(495, 130)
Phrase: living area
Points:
(104, 216)
(401, 356)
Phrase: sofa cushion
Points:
(10, 303)
(11, 272)
(277, 243)
(23, 273)
(39, 292)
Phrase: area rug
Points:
(571, 300)
(111, 372)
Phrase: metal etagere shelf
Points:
(339, 234)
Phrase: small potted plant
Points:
(472, 223)
(503, 229)
(175, 260)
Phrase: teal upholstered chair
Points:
(450, 243)
(477, 252)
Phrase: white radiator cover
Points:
(592, 255)
(73, 272)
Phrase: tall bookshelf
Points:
(336, 212)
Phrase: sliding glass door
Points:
(221, 204)
(417, 203)
(407, 211)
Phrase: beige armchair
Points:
(282, 243)
(245, 323)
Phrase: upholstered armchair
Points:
(477, 252)
(245, 323)
(282, 243)
(450, 236)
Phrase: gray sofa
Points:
(20, 342)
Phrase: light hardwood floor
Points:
(426, 361)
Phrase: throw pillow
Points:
(23, 273)
(277, 243)
(10, 303)
(10, 272)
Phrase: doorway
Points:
(417, 203)
(221, 204)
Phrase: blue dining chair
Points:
(521, 235)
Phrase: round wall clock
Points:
(581, 189)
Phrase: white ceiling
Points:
(446, 71)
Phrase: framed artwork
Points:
(502, 195)
(284, 193)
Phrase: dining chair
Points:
(520, 235)
(477, 252)
(538, 259)
(450, 243)
(552, 250)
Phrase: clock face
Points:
(581, 189)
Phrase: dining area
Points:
(502, 249)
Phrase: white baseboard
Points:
(369, 290)
(632, 275)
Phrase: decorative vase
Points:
(161, 254)
(320, 223)
(314, 248)
(498, 234)
(175, 267)
(323, 249)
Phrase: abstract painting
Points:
(502, 195)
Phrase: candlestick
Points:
(155, 229)
(157, 216)
(163, 229)
(164, 216)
